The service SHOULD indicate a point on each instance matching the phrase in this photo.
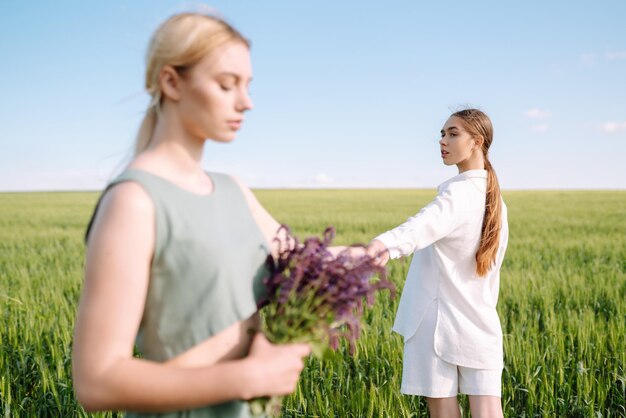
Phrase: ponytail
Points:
(492, 220)
(479, 126)
(146, 130)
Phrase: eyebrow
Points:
(233, 75)
(449, 129)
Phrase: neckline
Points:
(477, 173)
(176, 186)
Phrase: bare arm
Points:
(106, 375)
(269, 226)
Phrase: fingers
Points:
(375, 247)
(378, 251)
(381, 258)
(357, 252)
(288, 364)
(259, 343)
(276, 368)
(302, 350)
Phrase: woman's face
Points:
(457, 145)
(214, 93)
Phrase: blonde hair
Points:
(479, 126)
(181, 42)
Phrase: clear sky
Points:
(347, 93)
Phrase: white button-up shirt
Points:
(444, 238)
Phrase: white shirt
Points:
(444, 238)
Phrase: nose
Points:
(442, 140)
(245, 102)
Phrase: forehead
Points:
(453, 122)
(231, 58)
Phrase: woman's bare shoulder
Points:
(127, 197)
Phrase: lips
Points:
(444, 154)
(235, 124)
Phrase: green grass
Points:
(562, 303)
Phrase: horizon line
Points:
(364, 188)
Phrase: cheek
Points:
(200, 93)
(215, 102)
(464, 148)
(200, 109)
(460, 151)
(204, 97)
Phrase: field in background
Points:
(562, 303)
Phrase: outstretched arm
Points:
(269, 226)
(433, 222)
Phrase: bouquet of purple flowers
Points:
(316, 297)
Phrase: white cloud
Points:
(587, 60)
(322, 178)
(613, 127)
(535, 113)
(590, 59)
(615, 55)
(540, 127)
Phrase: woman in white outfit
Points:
(447, 313)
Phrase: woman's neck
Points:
(475, 162)
(172, 142)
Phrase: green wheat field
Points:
(562, 304)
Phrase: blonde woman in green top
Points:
(175, 255)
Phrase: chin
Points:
(230, 137)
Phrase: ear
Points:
(169, 80)
(478, 142)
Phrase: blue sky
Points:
(347, 93)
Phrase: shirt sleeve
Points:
(429, 225)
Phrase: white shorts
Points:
(424, 373)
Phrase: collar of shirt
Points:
(463, 176)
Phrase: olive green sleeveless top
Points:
(206, 273)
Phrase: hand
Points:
(355, 252)
(377, 250)
(274, 369)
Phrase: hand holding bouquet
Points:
(316, 297)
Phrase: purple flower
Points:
(315, 297)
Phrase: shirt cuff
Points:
(387, 239)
